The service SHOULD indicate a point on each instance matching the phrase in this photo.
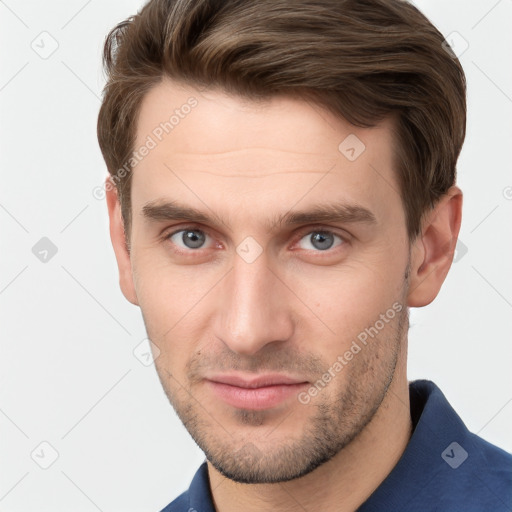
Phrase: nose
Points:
(253, 308)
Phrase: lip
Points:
(254, 392)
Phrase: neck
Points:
(344, 482)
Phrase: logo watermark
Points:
(151, 142)
(304, 397)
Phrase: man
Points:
(281, 191)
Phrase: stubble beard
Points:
(338, 418)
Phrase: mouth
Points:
(254, 392)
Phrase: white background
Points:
(68, 373)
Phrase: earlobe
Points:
(432, 251)
(117, 236)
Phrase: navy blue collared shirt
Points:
(443, 468)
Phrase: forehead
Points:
(211, 146)
(214, 113)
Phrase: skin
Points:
(294, 309)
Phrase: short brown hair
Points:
(361, 59)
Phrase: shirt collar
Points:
(436, 427)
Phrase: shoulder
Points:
(482, 481)
(197, 497)
(444, 466)
(490, 473)
(180, 504)
(471, 474)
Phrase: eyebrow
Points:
(343, 213)
(340, 213)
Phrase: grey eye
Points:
(189, 238)
(320, 240)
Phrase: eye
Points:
(189, 238)
(320, 241)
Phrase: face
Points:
(268, 256)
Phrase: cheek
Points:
(161, 285)
(346, 300)
(174, 301)
(329, 303)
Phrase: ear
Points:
(432, 251)
(117, 235)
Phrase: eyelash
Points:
(306, 231)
